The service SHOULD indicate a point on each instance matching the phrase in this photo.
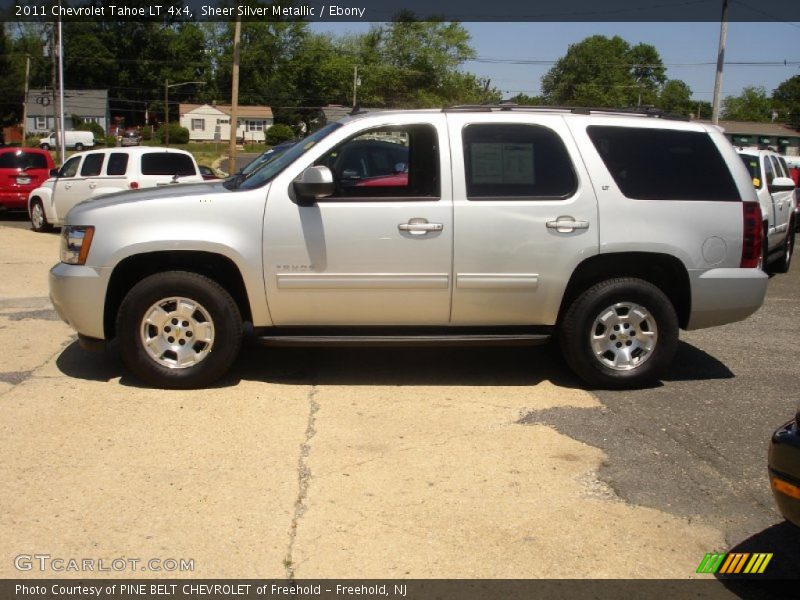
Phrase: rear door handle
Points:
(419, 226)
(567, 224)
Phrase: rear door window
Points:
(664, 164)
(117, 163)
(523, 162)
(167, 163)
(92, 165)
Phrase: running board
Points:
(406, 340)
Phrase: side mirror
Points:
(781, 184)
(312, 184)
(53, 172)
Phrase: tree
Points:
(786, 98)
(751, 105)
(608, 72)
(676, 97)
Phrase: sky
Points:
(689, 51)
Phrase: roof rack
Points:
(648, 111)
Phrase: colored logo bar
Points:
(734, 563)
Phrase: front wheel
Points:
(620, 333)
(38, 219)
(179, 330)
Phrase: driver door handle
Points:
(567, 224)
(419, 226)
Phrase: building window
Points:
(91, 120)
(41, 122)
(255, 125)
(223, 121)
(198, 124)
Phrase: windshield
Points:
(751, 162)
(271, 168)
(267, 157)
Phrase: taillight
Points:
(752, 235)
(134, 185)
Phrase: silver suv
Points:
(465, 225)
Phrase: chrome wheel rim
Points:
(37, 216)
(177, 332)
(624, 336)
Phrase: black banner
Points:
(389, 10)
(442, 589)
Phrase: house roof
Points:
(242, 112)
(84, 103)
(751, 128)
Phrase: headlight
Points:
(75, 243)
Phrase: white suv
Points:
(468, 225)
(776, 195)
(89, 174)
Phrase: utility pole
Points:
(355, 86)
(237, 34)
(723, 35)
(25, 99)
(166, 113)
(63, 140)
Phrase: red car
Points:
(22, 170)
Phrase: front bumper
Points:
(721, 296)
(784, 470)
(78, 294)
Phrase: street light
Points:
(168, 85)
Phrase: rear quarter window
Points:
(167, 163)
(664, 164)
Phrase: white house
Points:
(90, 105)
(207, 122)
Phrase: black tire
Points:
(785, 261)
(38, 218)
(214, 306)
(45, 146)
(78, 147)
(580, 333)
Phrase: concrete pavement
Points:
(307, 463)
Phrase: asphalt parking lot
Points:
(464, 463)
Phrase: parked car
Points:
(609, 231)
(77, 140)
(130, 138)
(784, 469)
(208, 173)
(776, 195)
(22, 170)
(99, 172)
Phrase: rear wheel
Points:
(38, 218)
(179, 330)
(45, 146)
(620, 333)
(78, 147)
(784, 262)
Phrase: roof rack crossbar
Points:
(580, 110)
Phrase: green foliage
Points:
(676, 98)
(108, 140)
(177, 134)
(751, 105)
(279, 133)
(525, 100)
(786, 99)
(79, 124)
(605, 72)
(147, 133)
